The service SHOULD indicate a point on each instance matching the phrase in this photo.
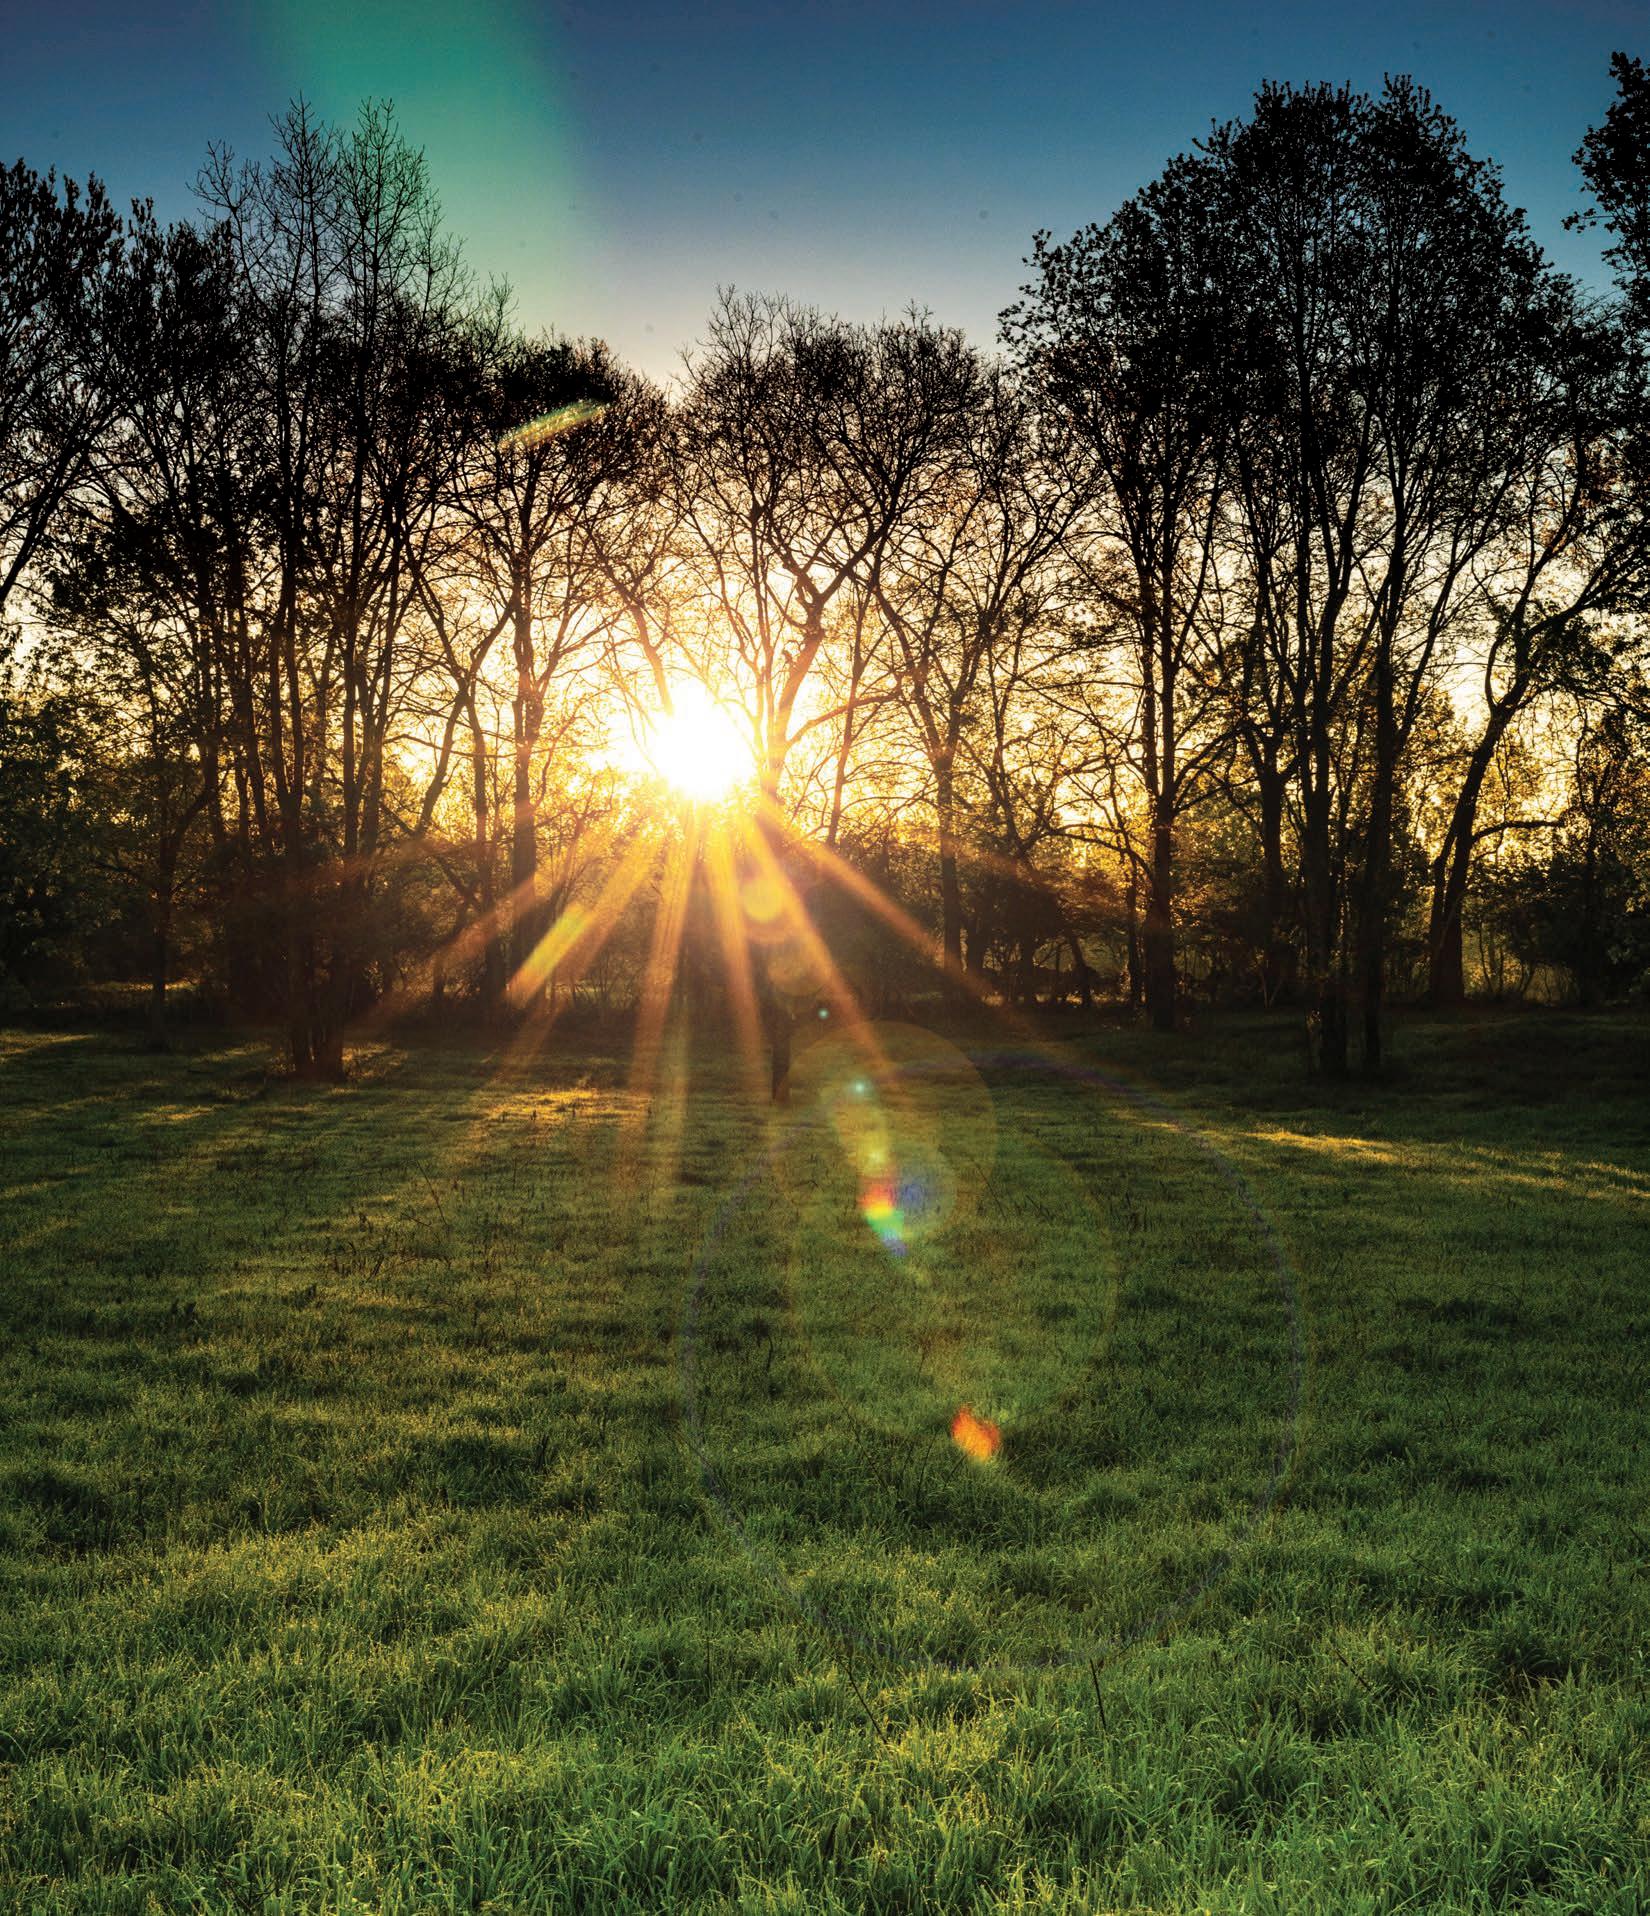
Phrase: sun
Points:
(697, 748)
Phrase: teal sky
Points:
(619, 162)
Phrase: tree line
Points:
(1263, 617)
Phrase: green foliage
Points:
(356, 1557)
(53, 834)
(1581, 904)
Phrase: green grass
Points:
(478, 1489)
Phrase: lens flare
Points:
(763, 900)
(998, 1336)
(880, 1206)
(975, 1437)
(551, 425)
(912, 1127)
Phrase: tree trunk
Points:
(1080, 965)
(329, 1053)
(773, 1005)
(1376, 901)
(1332, 1029)
(1157, 719)
(493, 981)
(1586, 970)
(160, 957)
(1279, 960)
(1027, 968)
(1327, 1006)
(1373, 964)
(1132, 938)
(1446, 953)
(839, 783)
(527, 714)
(951, 912)
(300, 968)
(1320, 880)
(1447, 980)
(1159, 931)
(166, 877)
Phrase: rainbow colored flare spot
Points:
(880, 1207)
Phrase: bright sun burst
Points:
(698, 748)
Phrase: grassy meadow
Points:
(483, 1487)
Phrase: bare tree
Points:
(801, 444)
(957, 582)
(549, 443)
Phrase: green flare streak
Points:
(477, 87)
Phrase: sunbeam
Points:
(734, 939)
(656, 1109)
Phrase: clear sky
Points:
(618, 162)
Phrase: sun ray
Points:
(580, 931)
(823, 966)
(463, 944)
(833, 866)
(658, 985)
(664, 949)
(565, 950)
(736, 960)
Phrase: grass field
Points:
(478, 1488)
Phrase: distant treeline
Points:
(1264, 617)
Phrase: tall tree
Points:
(1385, 291)
(1128, 330)
(348, 282)
(550, 442)
(800, 445)
(156, 574)
(961, 563)
(58, 249)
(1539, 610)
(1615, 164)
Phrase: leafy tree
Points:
(1615, 163)
(54, 834)
(1128, 330)
(58, 247)
(1388, 296)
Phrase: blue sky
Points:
(619, 162)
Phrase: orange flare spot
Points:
(977, 1437)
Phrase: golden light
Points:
(698, 748)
